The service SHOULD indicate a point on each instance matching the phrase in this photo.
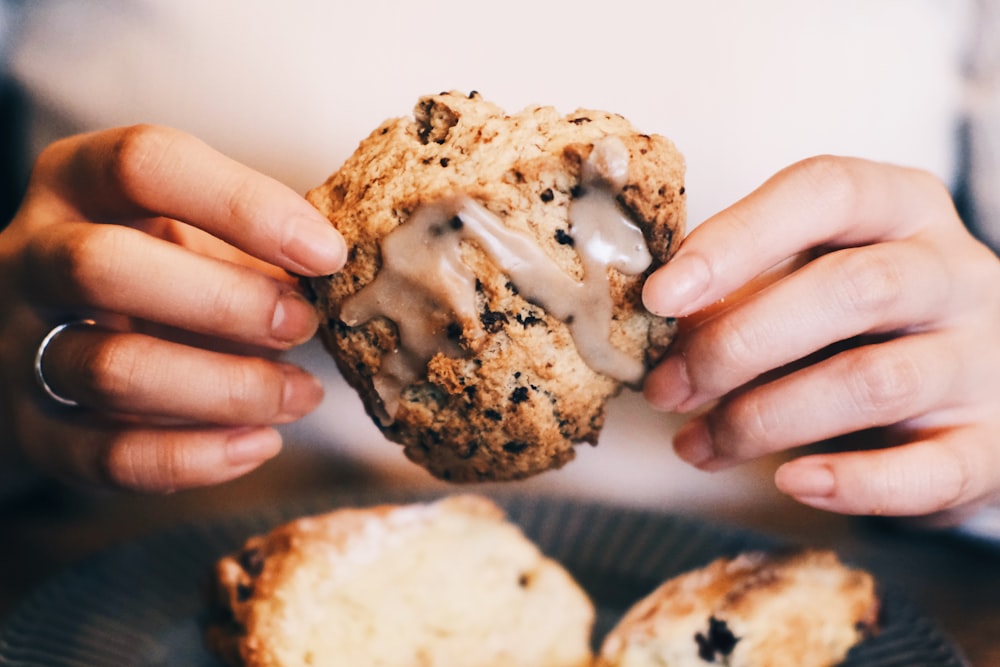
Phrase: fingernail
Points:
(316, 246)
(668, 386)
(693, 443)
(673, 290)
(294, 320)
(805, 479)
(253, 446)
(302, 393)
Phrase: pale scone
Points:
(491, 301)
(450, 583)
(802, 609)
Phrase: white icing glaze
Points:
(426, 289)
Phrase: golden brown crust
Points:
(795, 609)
(440, 584)
(521, 396)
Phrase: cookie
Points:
(491, 301)
(802, 609)
(445, 584)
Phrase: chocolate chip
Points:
(252, 561)
(563, 237)
(243, 592)
(519, 395)
(682, 190)
(580, 120)
(490, 413)
(456, 223)
(529, 320)
(719, 640)
(576, 192)
(515, 447)
(493, 320)
(444, 162)
(454, 331)
(547, 195)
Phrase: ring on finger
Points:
(40, 356)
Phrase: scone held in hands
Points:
(491, 302)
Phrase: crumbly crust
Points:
(797, 609)
(445, 584)
(521, 397)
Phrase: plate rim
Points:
(222, 527)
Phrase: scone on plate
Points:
(491, 301)
(802, 609)
(451, 583)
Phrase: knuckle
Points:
(955, 478)
(134, 155)
(143, 462)
(253, 388)
(869, 282)
(119, 463)
(729, 343)
(935, 477)
(745, 426)
(111, 370)
(886, 383)
(756, 421)
(835, 184)
(224, 301)
(241, 197)
(87, 260)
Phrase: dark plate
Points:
(142, 603)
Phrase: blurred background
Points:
(742, 88)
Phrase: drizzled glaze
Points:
(426, 289)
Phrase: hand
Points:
(177, 253)
(866, 308)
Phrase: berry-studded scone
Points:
(802, 609)
(450, 583)
(491, 302)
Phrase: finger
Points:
(121, 270)
(879, 288)
(148, 170)
(870, 386)
(823, 201)
(140, 375)
(151, 460)
(953, 469)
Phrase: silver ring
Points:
(40, 354)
